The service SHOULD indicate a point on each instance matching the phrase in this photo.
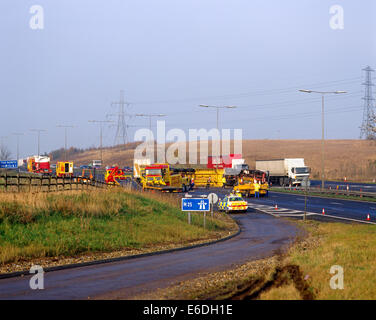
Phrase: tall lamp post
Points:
(323, 93)
(38, 131)
(101, 122)
(17, 134)
(149, 116)
(218, 108)
(65, 138)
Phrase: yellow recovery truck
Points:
(245, 183)
(163, 178)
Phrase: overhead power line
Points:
(254, 93)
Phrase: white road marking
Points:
(291, 213)
(337, 203)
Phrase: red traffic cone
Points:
(323, 211)
(276, 207)
(368, 218)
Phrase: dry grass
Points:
(351, 246)
(301, 273)
(355, 159)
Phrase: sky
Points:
(171, 56)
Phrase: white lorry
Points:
(285, 171)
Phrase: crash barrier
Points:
(318, 191)
(20, 182)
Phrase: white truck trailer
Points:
(285, 171)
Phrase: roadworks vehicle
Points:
(115, 176)
(201, 175)
(86, 175)
(163, 178)
(64, 169)
(39, 164)
(232, 203)
(245, 183)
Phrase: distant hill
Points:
(355, 159)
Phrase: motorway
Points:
(334, 207)
(293, 205)
(261, 235)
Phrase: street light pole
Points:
(38, 131)
(217, 108)
(323, 93)
(65, 138)
(18, 143)
(100, 138)
(149, 116)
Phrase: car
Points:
(233, 203)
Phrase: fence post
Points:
(18, 182)
(49, 183)
(6, 181)
(30, 179)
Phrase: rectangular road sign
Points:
(194, 204)
(7, 164)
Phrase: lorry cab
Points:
(298, 174)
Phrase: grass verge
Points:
(75, 223)
(301, 273)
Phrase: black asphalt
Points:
(335, 207)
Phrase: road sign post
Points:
(195, 205)
(305, 198)
(213, 199)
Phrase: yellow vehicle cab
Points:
(232, 203)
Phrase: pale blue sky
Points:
(170, 56)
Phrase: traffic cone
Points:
(323, 211)
(368, 218)
(276, 207)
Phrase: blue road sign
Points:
(192, 204)
(8, 164)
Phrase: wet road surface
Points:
(262, 235)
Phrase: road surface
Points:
(261, 236)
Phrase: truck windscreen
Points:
(153, 172)
(302, 170)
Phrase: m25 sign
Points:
(192, 204)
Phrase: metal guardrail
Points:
(17, 182)
(318, 190)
